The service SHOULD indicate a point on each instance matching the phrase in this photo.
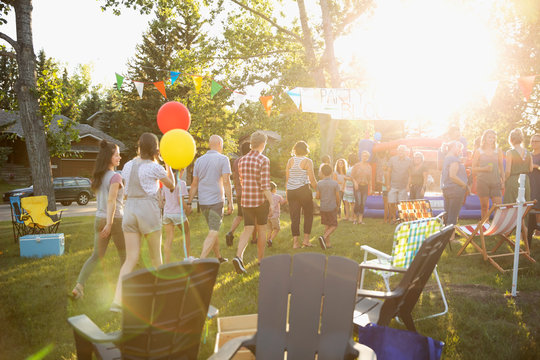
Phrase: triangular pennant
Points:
(526, 84)
(139, 86)
(267, 103)
(294, 94)
(489, 90)
(174, 76)
(238, 100)
(119, 81)
(197, 80)
(214, 89)
(160, 85)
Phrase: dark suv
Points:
(66, 190)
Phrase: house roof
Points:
(84, 129)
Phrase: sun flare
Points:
(424, 58)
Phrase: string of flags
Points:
(215, 87)
(301, 96)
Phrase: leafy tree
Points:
(174, 41)
(8, 74)
(27, 96)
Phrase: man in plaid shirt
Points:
(254, 171)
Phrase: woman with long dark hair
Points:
(109, 190)
(299, 174)
(142, 215)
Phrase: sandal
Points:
(77, 292)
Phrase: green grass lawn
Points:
(481, 323)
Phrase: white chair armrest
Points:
(376, 252)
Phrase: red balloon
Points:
(173, 115)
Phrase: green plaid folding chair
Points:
(408, 237)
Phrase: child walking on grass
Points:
(328, 193)
(273, 215)
(174, 215)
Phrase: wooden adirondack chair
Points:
(18, 219)
(163, 318)
(381, 306)
(306, 304)
(503, 224)
(40, 218)
(408, 237)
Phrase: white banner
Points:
(345, 104)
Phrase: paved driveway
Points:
(70, 211)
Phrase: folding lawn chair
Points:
(410, 210)
(18, 218)
(380, 306)
(40, 218)
(503, 224)
(408, 237)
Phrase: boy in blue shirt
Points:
(328, 193)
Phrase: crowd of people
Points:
(147, 196)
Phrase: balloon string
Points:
(183, 213)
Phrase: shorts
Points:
(329, 218)
(213, 215)
(175, 219)
(239, 206)
(485, 189)
(257, 214)
(397, 195)
(273, 224)
(141, 215)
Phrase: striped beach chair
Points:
(503, 224)
(408, 238)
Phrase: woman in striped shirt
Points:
(300, 174)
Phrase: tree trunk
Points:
(325, 121)
(31, 120)
(329, 62)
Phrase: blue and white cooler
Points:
(40, 245)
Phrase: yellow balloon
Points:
(177, 148)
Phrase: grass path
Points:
(481, 324)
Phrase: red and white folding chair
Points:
(503, 223)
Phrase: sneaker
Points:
(269, 243)
(222, 260)
(239, 265)
(229, 239)
(322, 242)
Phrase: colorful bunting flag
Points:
(119, 81)
(197, 80)
(160, 85)
(267, 103)
(174, 76)
(238, 100)
(526, 84)
(295, 96)
(139, 86)
(214, 89)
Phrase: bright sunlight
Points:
(425, 59)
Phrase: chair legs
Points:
(84, 347)
(443, 297)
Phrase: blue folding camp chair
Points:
(18, 216)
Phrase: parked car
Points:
(66, 190)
